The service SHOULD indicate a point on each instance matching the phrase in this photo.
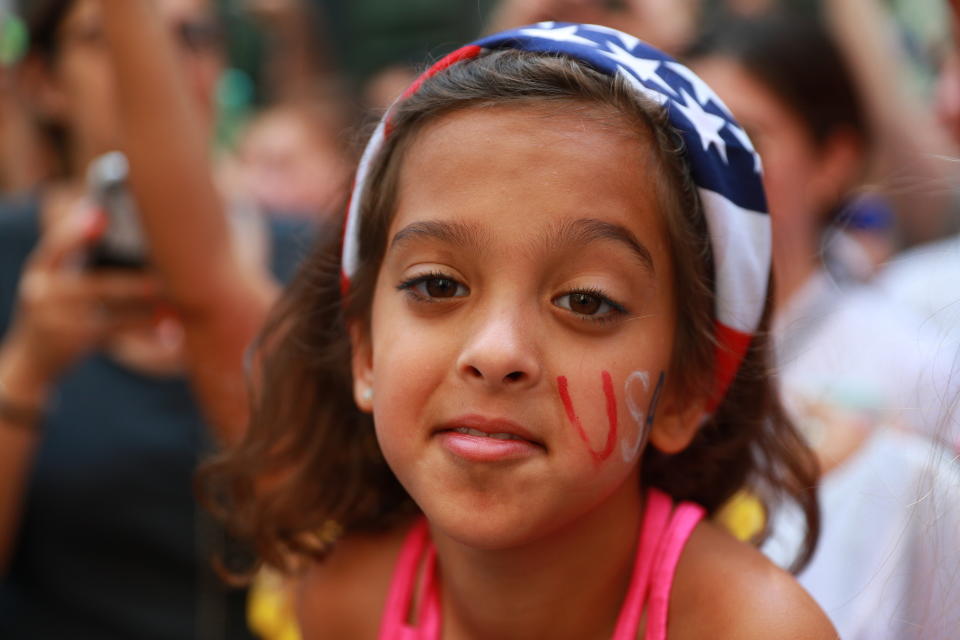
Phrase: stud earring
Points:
(367, 394)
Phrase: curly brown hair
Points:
(310, 457)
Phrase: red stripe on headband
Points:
(463, 53)
(732, 346)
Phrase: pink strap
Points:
(655, 516)
(685, 519)
(658, 552)
(430, 609)
(394, 623)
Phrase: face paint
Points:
(611, 402)
(652, 409)
(643, 419)
(629, 388)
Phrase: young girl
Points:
(538, 364)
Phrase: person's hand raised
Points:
(64, 310)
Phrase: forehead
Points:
(517, 163)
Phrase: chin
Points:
(489, 523)
(486, 534)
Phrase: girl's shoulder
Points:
(344, 596)
(730, 587)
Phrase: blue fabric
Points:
(721, 157)
(112, 543)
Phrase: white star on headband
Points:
(702, 90)
(708, 126)
(656, 96)
(643, 68)
(563, 34)
(629, 42)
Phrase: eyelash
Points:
(409, 286)
(618, 309)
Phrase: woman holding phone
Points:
(100, 428)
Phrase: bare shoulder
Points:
(730, 587)
(344, 596)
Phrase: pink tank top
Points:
(663, 534)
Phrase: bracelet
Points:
(19, 414)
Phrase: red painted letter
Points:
(603, 454)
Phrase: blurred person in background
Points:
(927, 278)
(25, 156)
(100, 428)
(912, 181)
(854, 366)
(671, 25)
(908, 165)
(792, 87)
(378, 45)
(286, 130)
(291, 161)
(666, 24)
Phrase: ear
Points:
(677, 420)
(361, 362)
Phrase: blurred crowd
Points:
(853, 105)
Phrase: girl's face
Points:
(525, 292)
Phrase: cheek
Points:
(398, 398)
(609, 410)
(612, 422)
(777, 170)
(641, 397)
(409, 362)
(601, 452)
(404, 373)
(635, 391)
(788, 178)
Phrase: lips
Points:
(496, 436)
(479, 439)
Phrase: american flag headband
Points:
(722, 161)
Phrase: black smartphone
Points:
(122, 244)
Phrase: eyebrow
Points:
(587, 230)
(577, 232)
(455, 233)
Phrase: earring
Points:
(367, 394)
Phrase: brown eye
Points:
(584, 303)
(594, 306)
(433, 286)
(441, 287)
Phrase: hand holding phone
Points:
(122, 244)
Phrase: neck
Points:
(569, 584)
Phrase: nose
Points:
(501, 351)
